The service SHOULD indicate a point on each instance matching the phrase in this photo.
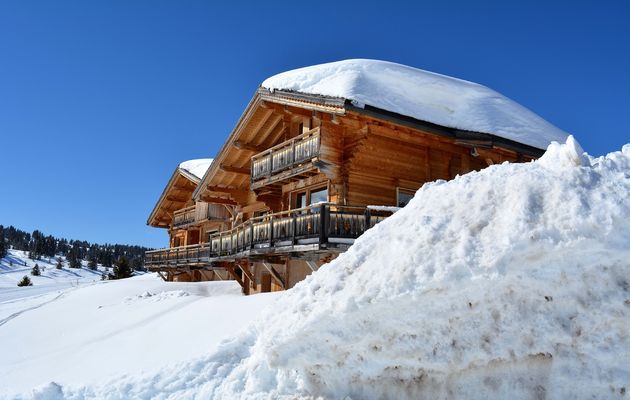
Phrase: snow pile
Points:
(423, 95)
(196, 167)
(512, 282)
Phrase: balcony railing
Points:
(286, 155)
(185, 216)
(321, 225)
(200, 212)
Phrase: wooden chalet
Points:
(187, 220)
(299, 178)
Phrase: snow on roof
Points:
(196, 167)
(422, 95)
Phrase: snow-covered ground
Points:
(512, 282)
(73, 328)
(17, 264)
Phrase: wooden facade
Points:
(296, 181)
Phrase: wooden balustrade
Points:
(184, 216)
(286, 155)
(318, 224)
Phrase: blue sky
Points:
(100, 100)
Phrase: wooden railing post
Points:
(294, 222)
(251, 236)
(323, 234)
(271, 231)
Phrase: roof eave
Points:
(170, 183)
(326, 103)
(218, 159)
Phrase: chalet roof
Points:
(179, 189)
(422, 95)
(196, 167)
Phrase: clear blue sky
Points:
(100, 100)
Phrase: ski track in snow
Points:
(18, 313)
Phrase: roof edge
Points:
(326, 102)
(169, 184)
(242, 121)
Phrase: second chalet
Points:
(320, 155)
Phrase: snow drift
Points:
(423, 95)
(511, 282)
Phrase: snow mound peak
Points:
(423, 95)
(513, 281)
(569, 154)
(196, 167)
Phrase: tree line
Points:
(39, 245)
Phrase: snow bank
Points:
(512, 282)
(197, 167)
(423, 95)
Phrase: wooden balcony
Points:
(290, 158)
(184, 217)
(199, 213)
(318, 228)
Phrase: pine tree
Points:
(74, 256)
(59, 263)
(122, 269)
(3, 243)
(137, 264)
(103, 276)
(35, 271)
(26, 281)
(92, 264)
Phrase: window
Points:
(403, 196)
(310, 196)
(300, 200)
(259, 213)
(319, 196)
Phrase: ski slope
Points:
(17, 264)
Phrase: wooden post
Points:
(251, 236)
(294, 222)
(323, 235)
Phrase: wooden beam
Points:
(274, 274)
(230, 269)
(235, 170)
(486, 144)
(177, 199)
(312, 265)
(228, 190)
(245, 268)
(217, 275)
(219, 200)
(248, 147)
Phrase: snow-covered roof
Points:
(422, 95)
(197, 167)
